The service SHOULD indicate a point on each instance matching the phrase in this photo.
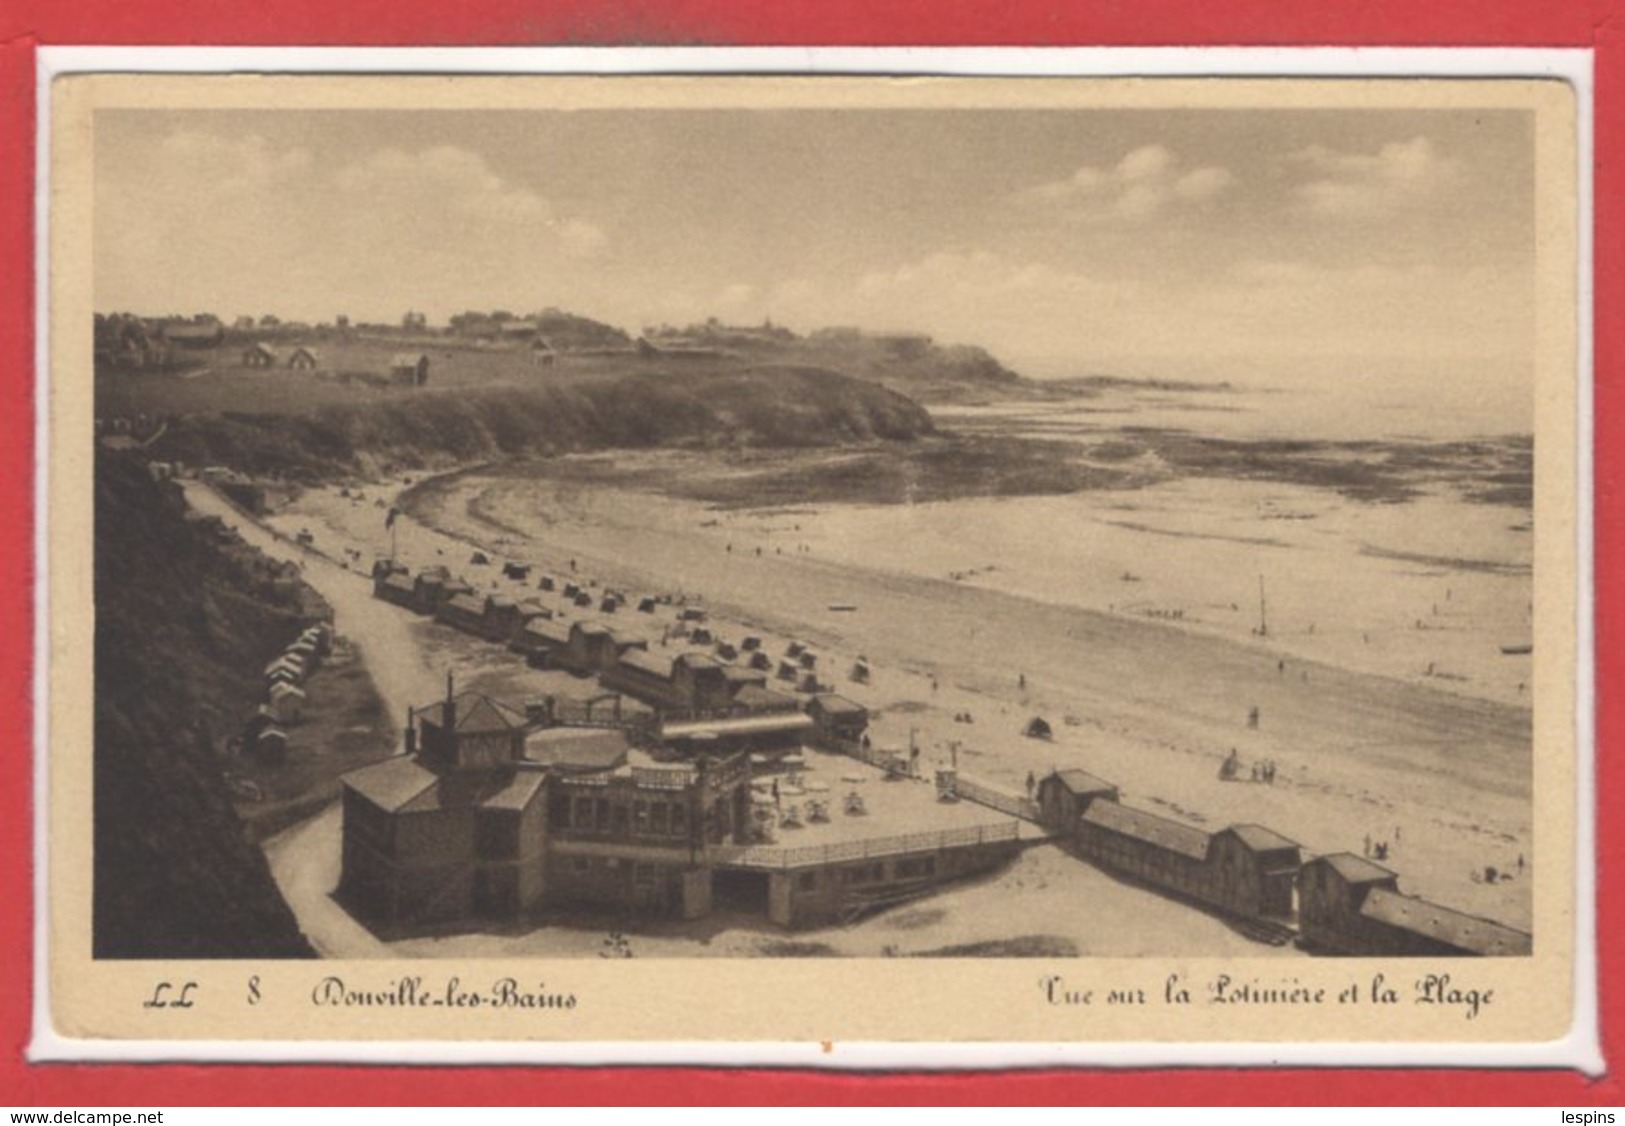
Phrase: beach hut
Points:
(726, 651)
(609, 605)
(700, 636)
(760, 660)
(807, 681)
(787, 671)
(287, 703)
(808, 659)
(751, 643)
(1038, 728)
(547, 584)
(646, 606)
(860, 672)
(520, 571)
(271, 744)
(795, 648)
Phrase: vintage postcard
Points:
(592, 560)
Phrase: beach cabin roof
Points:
(467, 602)
(644, 661)
(760, 698)
(1171, 835)
(1454, 928)
(1081, 782)
(832, 705)
(1259, 839)
(1356, 869)
(548, 630)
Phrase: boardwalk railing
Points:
(983, 793)
(769, 856)
(893, 761)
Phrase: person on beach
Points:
(1032, 785)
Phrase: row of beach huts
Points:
(284, 705)
(728, 681)
(1340, 903)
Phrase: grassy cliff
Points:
(780, 406)
(184, 624)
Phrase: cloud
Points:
(224, 169)
(1145, 184)
(448, 179)
(581, 239)
(1400, 176)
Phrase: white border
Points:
(1581, 1049)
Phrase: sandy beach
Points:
(1442, 776)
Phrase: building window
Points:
(640, 817)
(580, 864)
(807, 881)
(679, 820)
(601, 815)
(660, 818)
(581, 817)
(618, 820)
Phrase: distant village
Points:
(126, 342)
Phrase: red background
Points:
(27, 24)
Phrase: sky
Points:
(1065, 241)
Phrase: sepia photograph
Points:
(815, 524)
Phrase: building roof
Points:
(1454, 928)
(499, 602)
(398, 581)
(280, 690)
(467, 602)
(407, 359)
(590, 629)
(1356, 869)
(520, 791)
(393, 784)
(646, 662)
(1171, 835)
(403, 785)
(768, 724)
(261, 347)
(302, 350)
(760, 698)
(578, 749)
(746, 676)
(831, 704)
(476, 712)
(1082, 782)
(548, 629)
(1260, 839)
